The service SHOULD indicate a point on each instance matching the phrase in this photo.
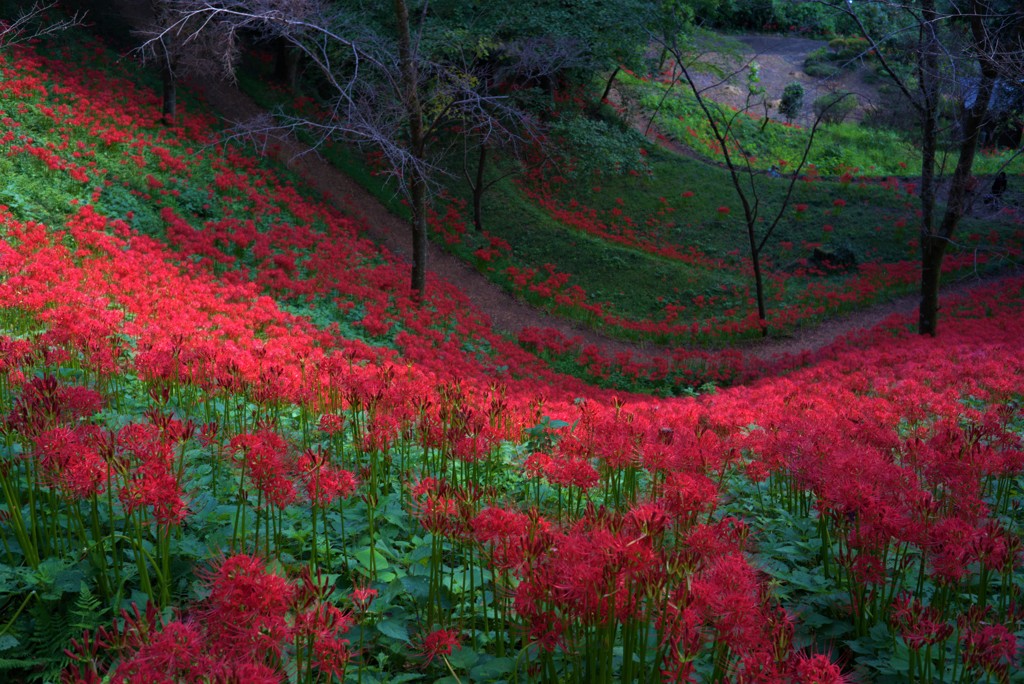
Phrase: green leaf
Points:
(8, 641)
(68, 581)
(463, 658)
(492, 668)
(364, 558)
(416, 586)
(393, 629)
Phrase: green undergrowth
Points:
(839, 148)
(874, 223)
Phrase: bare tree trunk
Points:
(751, 200)
(170, 92)
(286, 65)
(417, 146)
(418, 192)
(478, 191)
(608, 86)
(934, 242)
(755, 259)
(933, 245)
(932, 250)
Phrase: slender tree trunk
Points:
(418, 191)
(755, 258)
(417, 146)
(286, 65)
(934, 241)
(932, 250)
(478, 191)
(170, 92)
(608, 86)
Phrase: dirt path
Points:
(507, 314)
(781, 61)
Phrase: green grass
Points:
(877, 224)
(631, 281)
(839, 148)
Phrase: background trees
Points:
(34, 21)
(760, 221)
(437, 85)
(387, 78)
(957, 53)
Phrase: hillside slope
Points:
(223, 414)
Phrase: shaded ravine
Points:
(508, 314)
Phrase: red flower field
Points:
(234, 449)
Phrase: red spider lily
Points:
(440, 642)
(989, 648)
(817, 668)
(264, 456)
(246, 612)
(45, 403)
(68, 463)
(918, 624)
(362, 597)
(323, 482)
(153, 485)
(441, 515)
(825, 431)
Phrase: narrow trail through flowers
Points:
(507, 314)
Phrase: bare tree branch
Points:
(743, 177)
(382, 91)
(33, 24)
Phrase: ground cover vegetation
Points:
(668, 264)
(236, 448)
(966, 54)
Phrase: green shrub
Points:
(833, 108)
(819, 64)
(792, 101)
(808, 18)
(599, 146)
(845, 49)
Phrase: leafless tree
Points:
(181, 49)
(959, 51)
(384, 92)
(760, 222)
(35, 22)
(518, 65)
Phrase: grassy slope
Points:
(875, 437)
(627, 282)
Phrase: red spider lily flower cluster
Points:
(252, 623)
(619, 531)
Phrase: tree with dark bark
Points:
(382, 88)
(180, 49)
(760, 222)
(515, 68)
(958, 52)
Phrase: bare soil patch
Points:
(781, 60)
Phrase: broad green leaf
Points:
(364, 558)
(394, 629)
(492, 668)
(463, 658)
